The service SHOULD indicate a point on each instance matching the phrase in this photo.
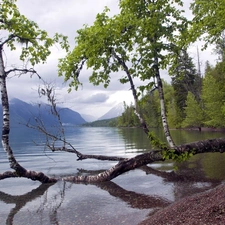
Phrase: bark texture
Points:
(162, 106)
(124, 164)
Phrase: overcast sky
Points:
(66, 17)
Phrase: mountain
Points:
(22, 112)
(89, 118)
(114, 112)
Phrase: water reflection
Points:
(22, 200)
(134, 139)
(66, 203)
(126, 200)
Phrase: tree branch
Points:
(134, 92)
(11, 36)
(23, 71)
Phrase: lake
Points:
(128, 199)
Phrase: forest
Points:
(189, 98)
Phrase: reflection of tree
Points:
(185, 184)
(42, 190)
(135, 200)
(58, 199)
(22, 200)
(187, 136)
(208, 164)
(134, 139)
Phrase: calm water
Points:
(128, 199)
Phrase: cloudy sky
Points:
(66, 17)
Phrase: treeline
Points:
(102, 123)
(193, 100)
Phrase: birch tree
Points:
(36, 43)
(140, 41)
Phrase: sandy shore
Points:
(207, 208)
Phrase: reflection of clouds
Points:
(105, 202)
(68, 203)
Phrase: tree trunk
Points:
(19, 170)
(162, 106)
(134, 92)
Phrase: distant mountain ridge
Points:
(114, 112)
(22, 112)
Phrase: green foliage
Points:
(184, 79)
(141, 32)
(156, 142)
(128, 117)
(213, 95)
(172, 154)
(208, 21)
(150, 108)
(35, 42)
(103, 123)
(194, 112)
(174, 114)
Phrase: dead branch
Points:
(19, 72)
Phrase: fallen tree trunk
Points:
(124, 165)
(210, 145)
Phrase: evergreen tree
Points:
(185, 79)
(194, 113)
(213, 95)
(128, 117)
(220, 47)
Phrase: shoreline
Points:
(206, 208)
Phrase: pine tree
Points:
(185, 79)
(194, 113)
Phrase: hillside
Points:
(22, 112)
(102, 123)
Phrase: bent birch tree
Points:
(140, 41)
